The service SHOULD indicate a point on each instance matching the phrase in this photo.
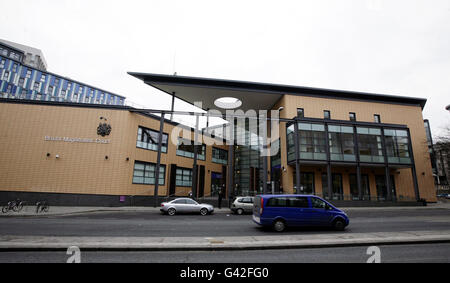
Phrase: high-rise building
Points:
(31, 56)
(23, 75)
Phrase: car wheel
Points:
(279, 225)
(171, 211)
(239, 211)
(339, 225)
(204, 211)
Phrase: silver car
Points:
(186, 205)
(242, 204)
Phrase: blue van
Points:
(281, 211)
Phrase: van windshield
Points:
(318, 203)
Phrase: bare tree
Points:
(443, 140)
(442, 152)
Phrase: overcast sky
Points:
(387, 47)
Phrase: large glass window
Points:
(275, 160)
(148, 139)
(397, 146)
(364, 187)
(380, 181)
(186, 148)
(144, 173)
(183, 177)
(370, 145)
(338, 191)
(290, 142)
(312, 141)
(341, 141)
(219, 156)
(336, 186)
(306, 183)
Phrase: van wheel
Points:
(171, 211)
(239, 211)
(279, 225)
(339, 225)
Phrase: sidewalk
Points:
(71, 210)
(10, 243)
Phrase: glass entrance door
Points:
(380, 180)
(364, 186)
(336, 185)
(338, 192)
(306, 183)
(216, 183)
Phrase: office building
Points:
(23, 75)
(352, 148)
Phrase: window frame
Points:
(182, 180)
(341, 143)
(377, 118)
(220, 150)
(145, 166)
(201, 157)
(149, 130)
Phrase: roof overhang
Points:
(257, 96)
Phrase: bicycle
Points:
(14, 205)
(42, 206)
